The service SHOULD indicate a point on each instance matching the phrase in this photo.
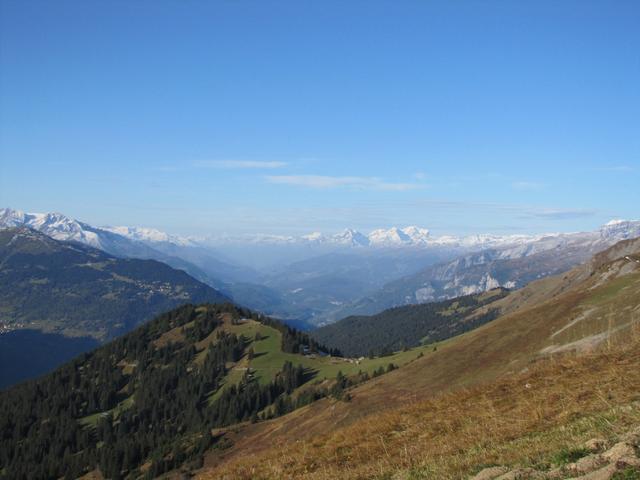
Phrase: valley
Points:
(518, 349)
(240, 387)
(317, 279)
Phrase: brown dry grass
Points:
(520, 419)
(467, 404)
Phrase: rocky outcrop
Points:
(605, 462)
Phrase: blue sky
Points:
(288, 117)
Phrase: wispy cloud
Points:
(326, 182)
(614, 168)
(240, 164)
(525, 185)
(559, 214)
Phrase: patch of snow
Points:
(424, 294)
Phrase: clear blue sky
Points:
(291, 116)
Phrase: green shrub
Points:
(629, 473)
(568, 455)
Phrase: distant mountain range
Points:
(201, 262)
(317, 279)
(110, 238)
(394, 237)
(510, 267)
(129, 242)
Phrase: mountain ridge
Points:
(409, 236)
(34, 264)
(511, 267)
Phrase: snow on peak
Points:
(618, 229)
(392, 237)
(55, 225)
(150, 235)
(11, 218)
(416, 234)
(350, 237)
(615, 221)
(400, 236)
(61, 227)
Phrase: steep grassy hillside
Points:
(560, 365)
(538, 419)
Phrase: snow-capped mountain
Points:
(55, 225)
(417, 235)
(347, 237)
(131, 242)
(352, 238)
(150, 235)
(512, 264)
(339, 268)
(61, 227)
(107, 238)
(392, 237)
(620, 229)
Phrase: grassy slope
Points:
(587, 303)
(269, 358)
(524, 419)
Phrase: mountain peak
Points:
(351, 237)
(615, 221)
(61, 227)
(54, 224)
(150, 235)
(391, 237)
(618, 229)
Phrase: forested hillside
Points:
(147, 402)
(410, 326)
(77, 290)
(58, 299)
